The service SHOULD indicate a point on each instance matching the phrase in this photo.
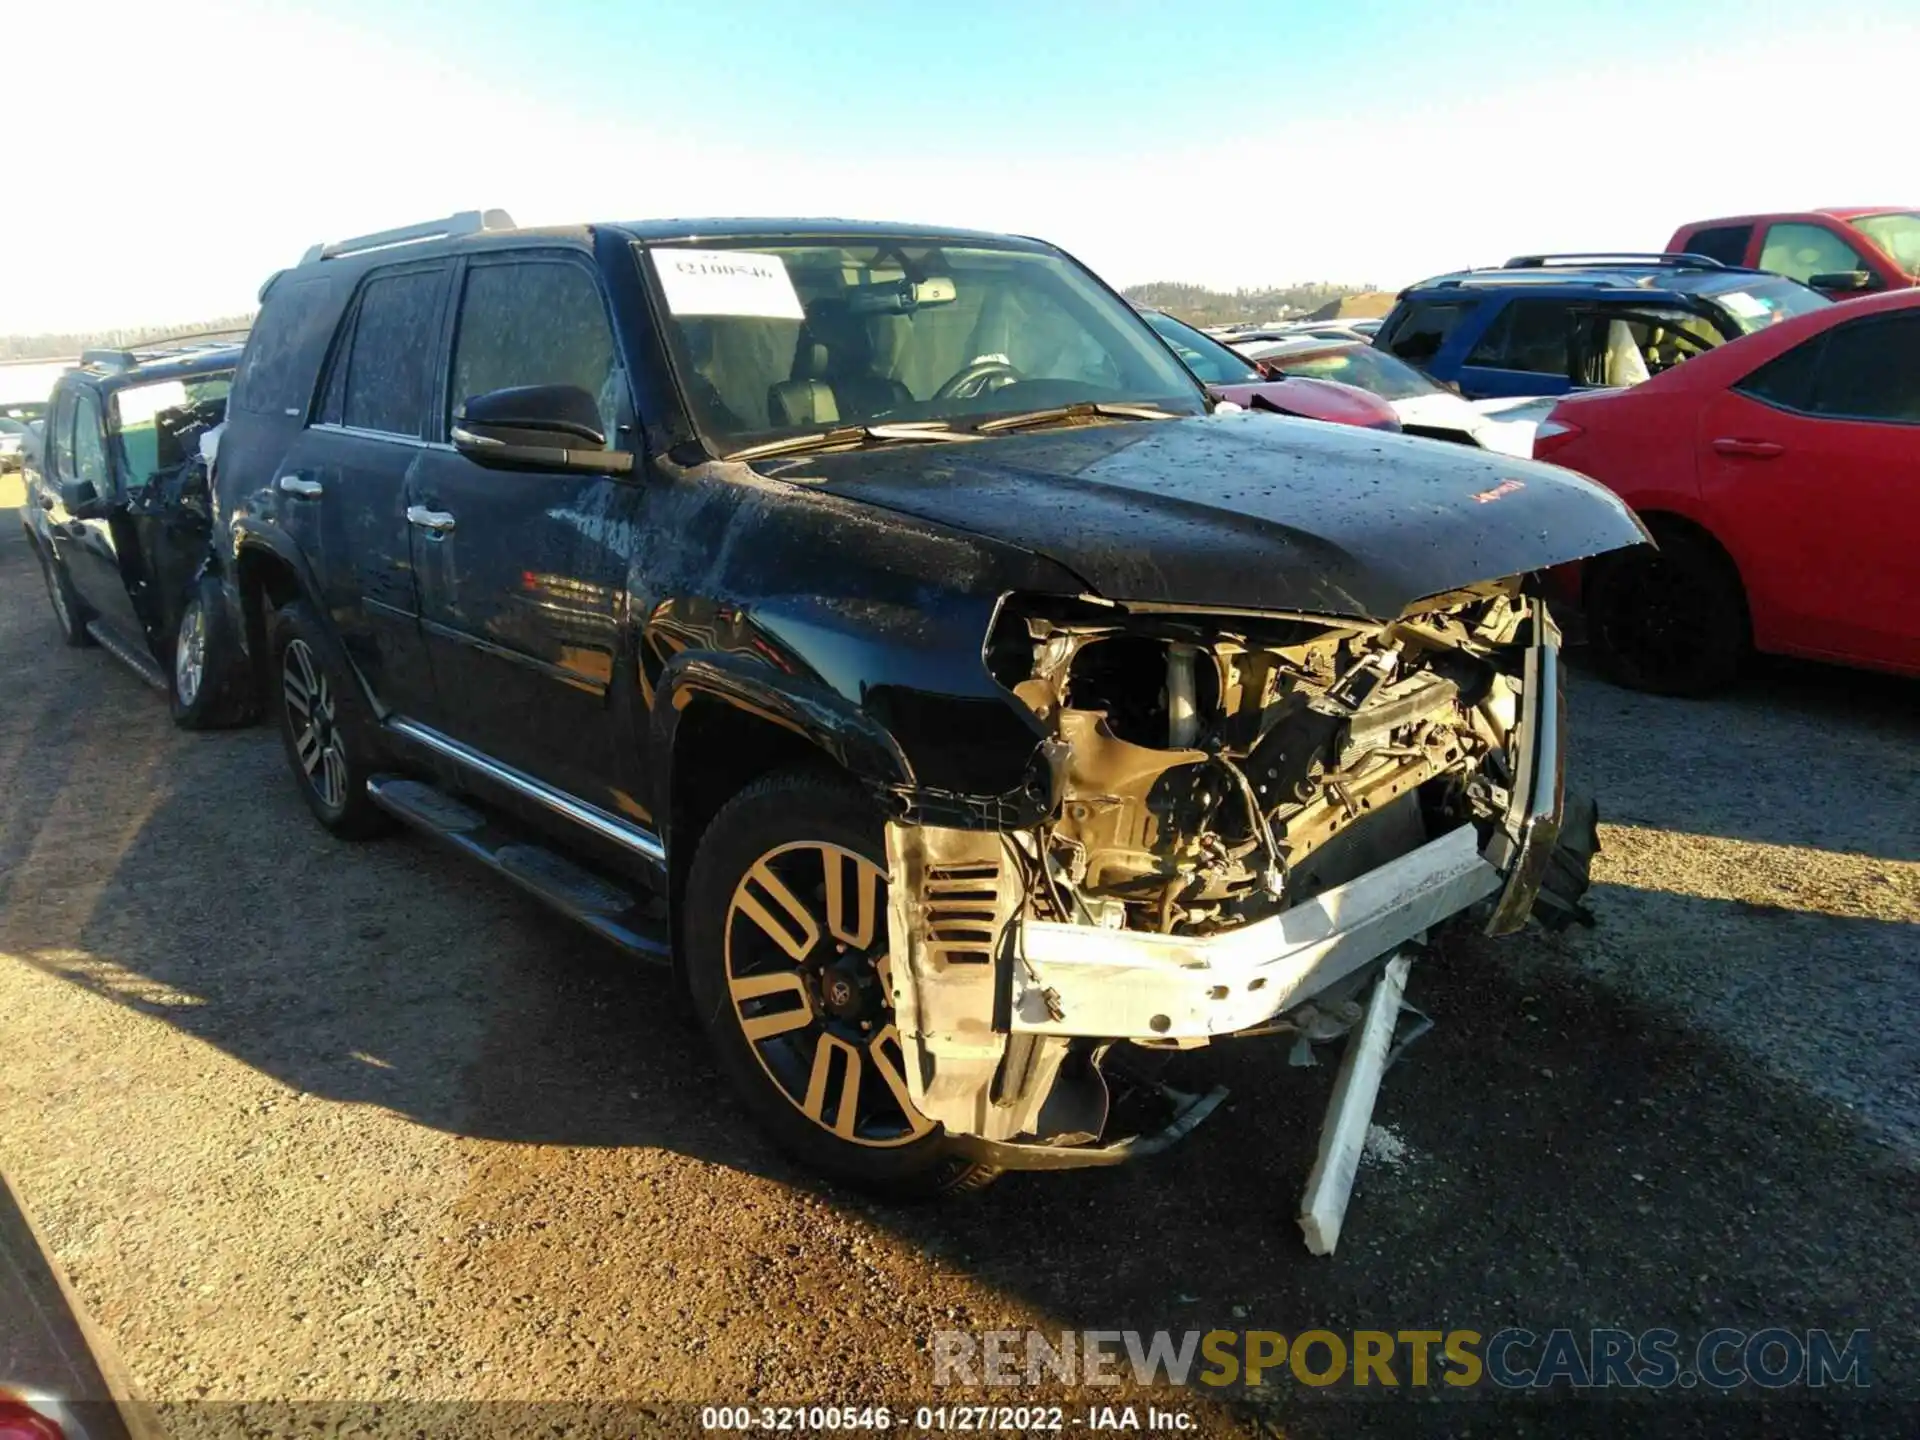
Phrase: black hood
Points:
(1244, 511)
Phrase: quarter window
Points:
(1422, 329)
(1870, 370)
(273, 380)
(1529, 335)
(1787, 380)
(390, 360)
(1801, 252)
(536, 323)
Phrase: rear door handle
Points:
(438, 521)
(1752, 449)
(299, 485)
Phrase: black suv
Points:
(119, 513)
(874, 621)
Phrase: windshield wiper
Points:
(1095, 410)
(851, 435)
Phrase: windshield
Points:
(775, 337)
(1361, 365)
(158, 425)
(1897, 233)
(1213, 362)
(1756, 301)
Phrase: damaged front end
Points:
(1245, 816)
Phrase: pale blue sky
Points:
(1226, 144)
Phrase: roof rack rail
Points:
(1674, 258)
(164, 342)
(465, 222)
(109, 359)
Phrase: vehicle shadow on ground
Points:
(1579, 1159)
(1587, 1161)
(1805, 736)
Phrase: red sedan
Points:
(1780, 476)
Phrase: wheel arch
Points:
(1662, 524)
(264, 579)
(720, 724)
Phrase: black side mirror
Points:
(1851, 281)
(536, 427)
(81, 500)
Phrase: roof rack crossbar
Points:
(1674, 258)
(465, 222)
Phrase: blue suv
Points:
(1548, 324)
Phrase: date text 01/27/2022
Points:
(1016, 1419)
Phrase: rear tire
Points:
(325, 726)
(769, 952)
(1672, 621)
(211, 686)
(68, 611)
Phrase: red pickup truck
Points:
(1844, 251)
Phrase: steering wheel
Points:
(972, 379)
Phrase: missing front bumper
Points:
(990, 1002)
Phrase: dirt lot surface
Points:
(311, 1121)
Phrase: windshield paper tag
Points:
(727, 282)
(1743, 304)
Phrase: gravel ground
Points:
(314, 1122)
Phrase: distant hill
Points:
(60, 347)
(1364, 305)
(1198, 305)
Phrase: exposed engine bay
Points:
(1201, 767)
(1249, 814)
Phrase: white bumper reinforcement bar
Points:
(1078, 980)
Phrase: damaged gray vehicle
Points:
(881, 625)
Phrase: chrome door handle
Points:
(438, 521)
(299, 485)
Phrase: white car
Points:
(1505, 426)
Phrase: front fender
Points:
(805, 707)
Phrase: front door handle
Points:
(438, 521)
(1751, 449)
(303, 487)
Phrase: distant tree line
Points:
(58, 347)
(1198, 305)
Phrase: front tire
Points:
(1672, 621)
(786, 960)
(210, 680)
(325, 726)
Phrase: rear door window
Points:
(60, 449)
(1725, 243)
(90, 444)
(1801, 252)
(1529, 335)
(390, 361)
(536, 322)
